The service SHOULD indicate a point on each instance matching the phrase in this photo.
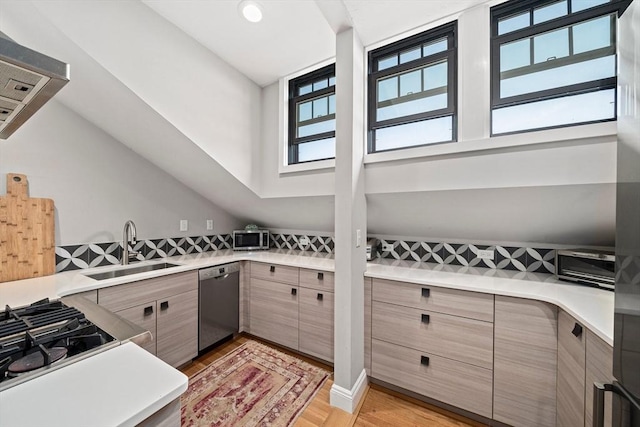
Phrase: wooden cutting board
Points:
(27, 233)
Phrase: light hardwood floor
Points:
(379, 408)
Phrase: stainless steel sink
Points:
(130, 270)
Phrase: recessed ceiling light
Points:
(251, 11)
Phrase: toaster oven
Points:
(585, 266)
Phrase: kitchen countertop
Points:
(592, 307)
(119, 387)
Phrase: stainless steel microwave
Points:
(595, 268)
(250, 240)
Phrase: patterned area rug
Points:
(254, 385)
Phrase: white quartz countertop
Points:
(119, 387)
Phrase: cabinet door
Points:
(599, 367)
(177, 341)
(571, 365)
(143, 315)
(367, 325)
(316, 323)
(273, 311)
(525, 352)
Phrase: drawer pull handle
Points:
(577, 330)
(148, 311)
(272, 269)
(425, 318)
(164, 305)
(424, 360)
(426, 292)
(319, 297)
(294, 291)
(320, 275)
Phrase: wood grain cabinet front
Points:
(317, 279)
(316, 323)
(275, 272)
(166, 306)
(524, 370)
(273, 311)
(571, 369)
(598, 367)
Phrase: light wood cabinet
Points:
(145, 316)
(293, 307)
(571, 370)
(599, 368)
(367, 325)
(166, 306)
(273, 311)
(275, 273)
(524, 371)
(473, 305)
(176, 315)
(449, 381)
(429, 340)
(454, 337)
(316, 323)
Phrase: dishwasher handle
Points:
(218, 272)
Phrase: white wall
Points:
(206, 99)
(97, 183)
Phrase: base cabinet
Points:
(166, 306)
(273, 312)
(524, 371)
(293, 307)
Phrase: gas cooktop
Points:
(43, 336)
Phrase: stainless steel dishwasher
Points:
(219, 301)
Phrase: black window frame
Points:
(295, 84)
(515, 7)
(448, 31)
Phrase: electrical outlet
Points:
(387, 247)
(304, 241)
(209, 224)
(485, 254)
(184, 225)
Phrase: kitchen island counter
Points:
(119, 387)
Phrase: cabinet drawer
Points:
(456, 383)
(316, 323)
(315, 279)
(273, 312)
(275, 272)
(458, 338)
(473, 305)
(119, 297)
(177, 341)
(143, 315)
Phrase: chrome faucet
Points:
(126, 253)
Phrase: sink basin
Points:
(130, 270)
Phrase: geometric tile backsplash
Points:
(76, 257)
(538, 260)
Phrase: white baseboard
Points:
(348, 400)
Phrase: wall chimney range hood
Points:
(28, 80)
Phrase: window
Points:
(553, 63)
(312, 116)
(412, 91)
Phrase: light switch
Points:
(358, 238)
(184, 225)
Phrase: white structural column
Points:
(350, 379)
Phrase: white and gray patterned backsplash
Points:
(76, 257)
(530, 259)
